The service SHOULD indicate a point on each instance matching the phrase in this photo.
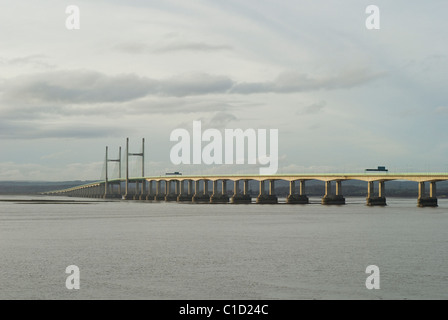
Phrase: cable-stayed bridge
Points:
(196, 188)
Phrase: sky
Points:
(343, 97)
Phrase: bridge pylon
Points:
(108, 188)
(136, 196)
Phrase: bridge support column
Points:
(339, 188)
(106, 190)
(218, 197)
(424, 200)
(382, 189)
(184, 196)
(115, 191)
(143, 194)
(239, 198)
(224, 187)
(203, 197)
(245, 187)
(150, 195)
(159, 196)
(99, 191)
(106, 183)
(137, 191)
(169, 195)
(294, 198)
(269, 198)
(372, 199)
(330, 198)
(205, 183)
(128, 193)
(190, 187)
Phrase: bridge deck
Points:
(368, 177)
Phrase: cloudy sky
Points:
(343, 97)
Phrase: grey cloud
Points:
(219, 120)
(39, 130)
(312, 109)
(195, 84)
(144, 106)
(131, 47)
(169, 105)
(89, 87)
(193, 46)
(289, 82)
(141, 48)
(36, 60)
(76, 87)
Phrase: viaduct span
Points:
(196, 188)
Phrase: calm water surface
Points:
(134, 250)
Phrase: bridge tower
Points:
(106, 182)
(127, 195)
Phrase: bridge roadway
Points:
(195, 188)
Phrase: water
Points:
(133, 250)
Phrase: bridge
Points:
(196, 188)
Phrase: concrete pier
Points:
(218, 197)
(112, 193)
(239, 198)
(199, 197)
(169, 194)
(143, 194)
(159, 196)
(372, 199)
(269, 198)
(294, 198)
(136, 192)
(129, 196)
(333, 199)
(185, 195)
(425, 200)
(150, 193)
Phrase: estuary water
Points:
(138, 250)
